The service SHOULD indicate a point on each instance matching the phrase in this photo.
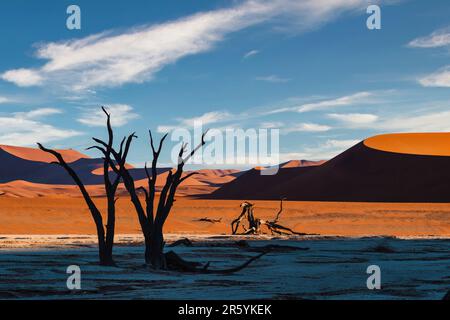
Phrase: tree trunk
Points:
(105, 253)
(155, 249)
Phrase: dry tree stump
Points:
(254, 224)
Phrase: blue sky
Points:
(310, 68)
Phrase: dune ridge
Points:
(361, 173)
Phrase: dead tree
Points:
(105, 237)
(155, 214)
(254, 224)
(152, 218)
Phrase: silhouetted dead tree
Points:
(255, 224)
(105, 237)
(152, 218)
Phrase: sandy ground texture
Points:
(63, 215)
(307, 269)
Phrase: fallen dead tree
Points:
(206, 219)
(254, 224)
(176, 263)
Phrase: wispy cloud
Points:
(111, 59)
(324, 151)
(406, 122)
(357, 98)
(439, 38)
(24, 128)
(271, 125)
(306, 127)
(121, 114)
(324, 104)
(354, 118)
(251, 53)
(207, 118)
(428, 122)
(272, 78)
(202, 120)
(4, 100)
(38, 113)
(23, 77)
(440, 78)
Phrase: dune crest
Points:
(34, 154)
(427, 144)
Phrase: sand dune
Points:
(34, 154)
(28, 172)
(429, 144)
(361, 173)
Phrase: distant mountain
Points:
(386, 168)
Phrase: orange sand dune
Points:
(70, 216)
(34, 154)
(25, 189)
(204, 182)
(430, 144)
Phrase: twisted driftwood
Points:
(255, 224)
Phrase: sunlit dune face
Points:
(41, 156)
(431, 144)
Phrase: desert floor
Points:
(65, 215)
(301, 269)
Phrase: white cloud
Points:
(430, 122)
(323, 151)
(324, 104)
(22, 129)
(307, 127)
(439, 38)
(110, 59)
(4, 100)
(440, 78)
(329, 149)
(360, 97)
(406, 122)
(272, 78)
(271, 125)
(251, 53)
(37, 113)
(23, 77)
(121, 114)
(203, 120)
(207, 118)
(354, 118)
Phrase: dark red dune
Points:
(361, 174)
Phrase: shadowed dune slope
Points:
(361, 173)
(33, 165)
